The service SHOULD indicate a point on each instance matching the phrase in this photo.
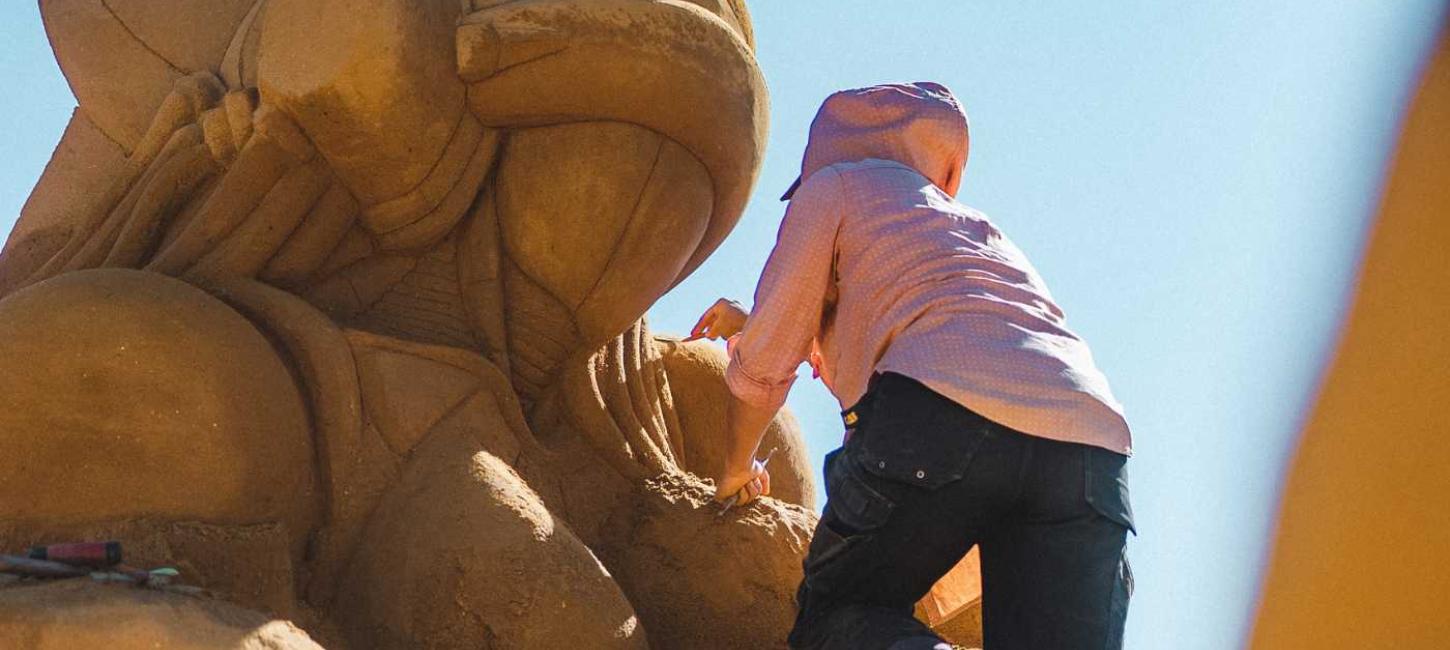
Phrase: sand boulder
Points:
(128, 394)
(700, 580)
(464, 555)
(81, 614)
(697, 382)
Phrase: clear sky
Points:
(1192, 179)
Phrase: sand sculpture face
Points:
(356, 292)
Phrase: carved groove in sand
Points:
(338, 305)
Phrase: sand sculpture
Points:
(338, 307)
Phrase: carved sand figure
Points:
(339, 307)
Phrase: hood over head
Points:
(920, 125)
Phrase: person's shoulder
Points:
(871, 172)
(824, 185)
(945, 203)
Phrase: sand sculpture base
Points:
(80, 614)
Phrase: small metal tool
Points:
(735, 498)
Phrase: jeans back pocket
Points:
(911, 434)
(858, 506)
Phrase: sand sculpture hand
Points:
(722, 320)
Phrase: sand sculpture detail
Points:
(338, 307)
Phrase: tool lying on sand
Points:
(63, 560)
(28, 568)
(99, 560)
(734, 499)
(97, 555)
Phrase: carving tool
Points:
(735, 498)
(97, 555)
(28, 568)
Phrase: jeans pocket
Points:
(827, 545)
(916, 436)
(854, 512)
(1106, 486)
(856, 507)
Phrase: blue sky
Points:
(1192, 179)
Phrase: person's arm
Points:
(777, 335)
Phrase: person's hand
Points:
(722, 320)
(748, 485)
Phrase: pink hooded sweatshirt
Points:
(877, 268)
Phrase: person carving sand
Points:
(973, 415)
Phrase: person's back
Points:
(930, 288)
(973, 416)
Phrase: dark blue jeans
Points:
(920, 481)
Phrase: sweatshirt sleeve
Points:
(790, 297)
